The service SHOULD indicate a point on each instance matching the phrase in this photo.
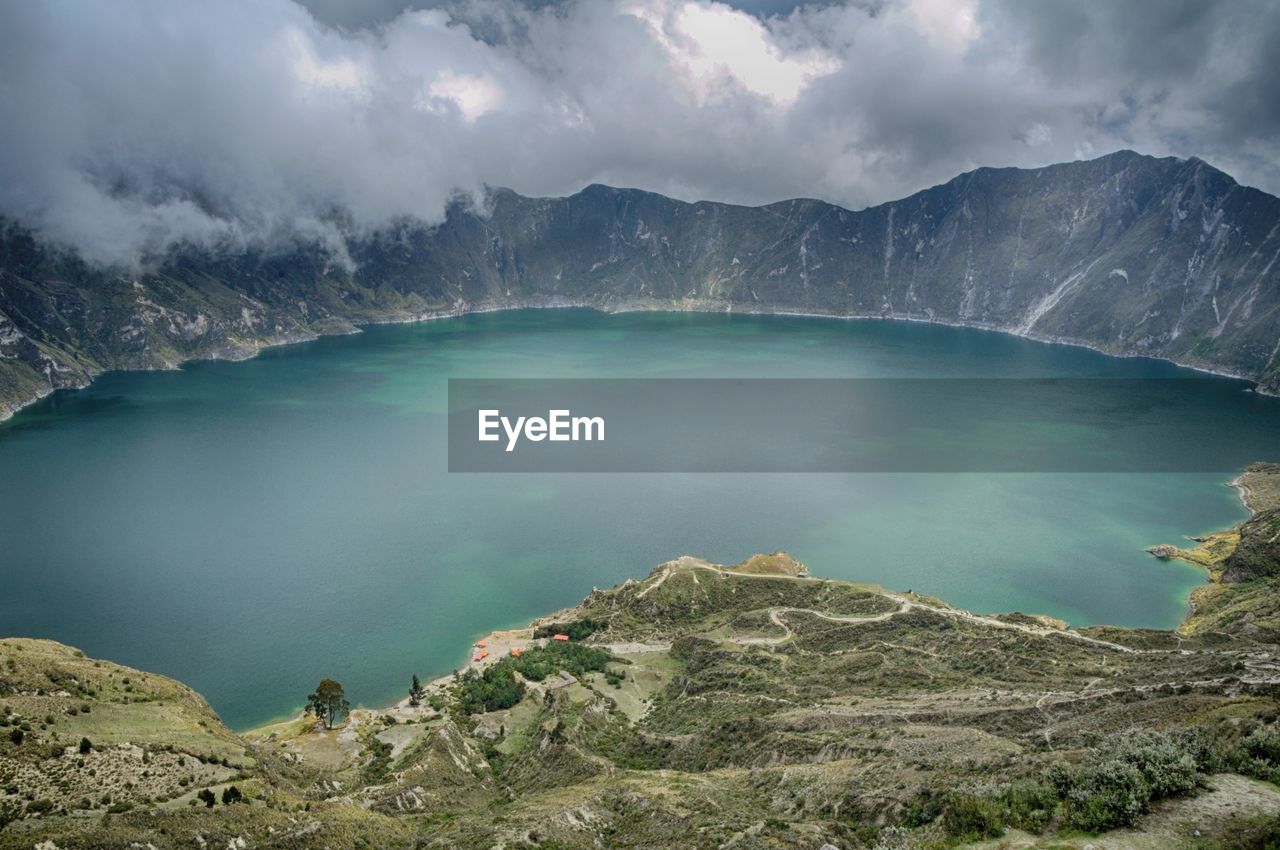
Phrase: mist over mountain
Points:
(246, 124)
(1127, 253)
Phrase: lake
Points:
(250, 528)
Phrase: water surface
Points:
(252, 527)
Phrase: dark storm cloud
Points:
(1191, 77)
(129, 126)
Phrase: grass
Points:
(828, 737)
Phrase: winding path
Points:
(905, 605)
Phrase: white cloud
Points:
(342, 74)
(473, 95)
(246, 121)
(952, 24)
(719, 48)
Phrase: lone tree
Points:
(231, 795)
(85, 746)
(206, 796)
(415, 692)
(329, 702)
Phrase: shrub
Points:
(379, 762)
(231, 795)
(1029, 805)
(16, 736)
(85, 746)
(1263, 744)
(39, 807)
(972, 816)
(206, 796)
(1107, 796)
(580, 629)
(1164, 764)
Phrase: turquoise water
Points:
(251, 527)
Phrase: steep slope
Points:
(1243, 595)
(91, 737)
(1127, 253)
(705, 706)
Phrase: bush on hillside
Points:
(579, 629)
(1107, 796)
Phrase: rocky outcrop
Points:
(1257, 555)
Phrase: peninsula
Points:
(705, 706)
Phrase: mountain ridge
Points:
(1128, 254)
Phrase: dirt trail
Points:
(775, 617)
(905, 604)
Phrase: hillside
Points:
(705, 706)
(1127, 253)
(1243, 595)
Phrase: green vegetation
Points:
(751, 707)
(493, 689)
(497, 688)
(579, 629)
(328, 702)
(1111, 788)
(379, 753)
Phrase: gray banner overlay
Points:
(854, 425)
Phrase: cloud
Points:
(126, 129)
(473, 96)
(721, 49)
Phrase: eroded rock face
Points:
(1257, 555)
(1127, 253)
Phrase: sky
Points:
(129, 125)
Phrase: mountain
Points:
(1127, 253)
(752, 707)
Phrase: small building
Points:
(561, 637)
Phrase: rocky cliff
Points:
(1127, 253)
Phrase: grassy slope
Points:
(758, 708)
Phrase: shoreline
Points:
(697, 307)
(523, 635)
(501, 640)
(10, 409)
(510, 634)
